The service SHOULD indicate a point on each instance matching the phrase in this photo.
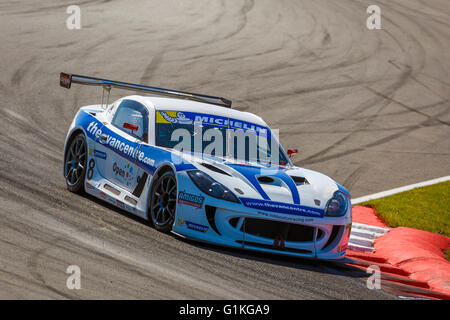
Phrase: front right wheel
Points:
(162, 204)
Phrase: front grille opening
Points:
(233, 222)
(320, 234)
(211, 216)
(334, 233)
(272, 229)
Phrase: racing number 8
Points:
(90, 172)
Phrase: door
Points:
(119, 144)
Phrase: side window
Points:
(132, 118)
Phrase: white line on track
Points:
(398, 190)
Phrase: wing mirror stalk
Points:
(292, 152)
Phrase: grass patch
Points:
(426, 208)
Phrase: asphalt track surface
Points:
(368, 108)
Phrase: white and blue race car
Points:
(152, 156)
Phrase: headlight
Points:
(337, 206)
(211, 187)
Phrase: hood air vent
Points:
(265, 179)
(299, 181)
(214, 168)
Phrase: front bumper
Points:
(234, 225)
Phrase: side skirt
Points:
(110, 193)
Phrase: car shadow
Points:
(338, 267)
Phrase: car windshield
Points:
(218, 136)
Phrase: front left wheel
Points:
(162, 204)
(75, 163)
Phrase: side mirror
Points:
(130, 126)
(291, 152)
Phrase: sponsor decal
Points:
(217, 121)
(180, 222)
(172, 117)
(140, 184)
(208, 120)
(112, 200)
(196, 227)
(129, 149)
(103, 195)
(120, 204)
(100, 154)
(89, 186)
(190, 199)
(126, 173)
(281, 207)
(91, 166)
(119, 144)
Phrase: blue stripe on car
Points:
(155, 154)
(250, 172)
(343, 189)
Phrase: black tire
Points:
(162, 204)
(75, 160)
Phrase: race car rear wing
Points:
(66, 80)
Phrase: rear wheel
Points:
(75, 163)
(162, 204)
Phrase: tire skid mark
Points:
(32, 265)
(410, 109)
(152, 66)
(33, 130)
(385, 99)
(388, 114)
(248, 5)
(369, 145)
(54, 201)
(19, 283)
(419, 14)
(127, 256)
(20, 73)
(246, 8)
(45, 9)
(353, 177)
